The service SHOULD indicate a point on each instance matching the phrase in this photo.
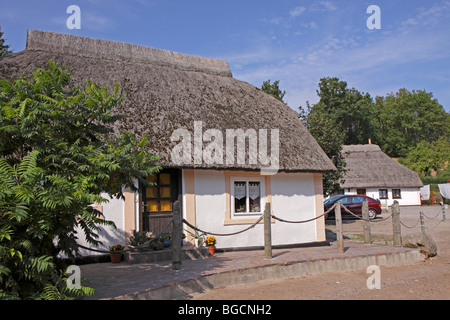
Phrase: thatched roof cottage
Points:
(189, 106)
(373, 173)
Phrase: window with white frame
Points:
(247, 196)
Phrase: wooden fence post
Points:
(422, 222)
(339, 234)
(176, 237)
(366, 222)
(396, 227)
(267, 232)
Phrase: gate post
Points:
(422, 222)
(366, 222)
(267, 232)
(339, 233)
(176, 237)
(396, 227)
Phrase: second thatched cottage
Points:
(197, 117)
(373, 173)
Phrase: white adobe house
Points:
(373, 173)
(167, 92)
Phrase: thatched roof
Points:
(368, 166)
(164, 91)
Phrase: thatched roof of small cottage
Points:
(164, 91)
(368, 166)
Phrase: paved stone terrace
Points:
(158, 280)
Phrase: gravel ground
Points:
(428, 280)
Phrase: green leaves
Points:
(58, 153)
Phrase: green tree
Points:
(58, 153)
(350, 110)
(407, 118)
(427, 157)
(330, 138)
(273, 89)
(4, 48)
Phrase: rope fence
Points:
(177, 221)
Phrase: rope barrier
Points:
(437, 215)
(223, 234)
(361, 218)
(410, 227)
(147, 243)
(304, 221)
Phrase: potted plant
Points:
(210, 242)
(115, 253)
(166, 238)
(199, 239)
(139, 238)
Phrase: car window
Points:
(357, 200)
(331, 199)
(344, 200)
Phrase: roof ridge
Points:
(106, 49)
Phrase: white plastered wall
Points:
(292, 199)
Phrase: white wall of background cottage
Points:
(408, 196)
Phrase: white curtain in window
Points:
(254, 190)
(425, 192)
(444, 189)
(239, 190)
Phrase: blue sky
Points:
(296, 42)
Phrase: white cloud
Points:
(298, 11)
(323, 6)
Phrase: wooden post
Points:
(443, 212)
(366, 222)
(396, 227)
(422, 222)
(267, 232)
(339, 234)
(176, 237)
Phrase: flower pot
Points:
(115, 257)
(212, 249)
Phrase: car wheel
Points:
(372, 214)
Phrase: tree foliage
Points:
(427, 158)
(4, 48)
(410, 124)
(58, 152)
(408, 118)
(273, 89)
(330, 138)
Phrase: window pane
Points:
(152, 192)
(240, 205)
(240, 196)
(357, 200)
(151, 179)
(152, 206)
(164, 179)
(254, 194)
(165, 192)
(166, 205)
(345, 200)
